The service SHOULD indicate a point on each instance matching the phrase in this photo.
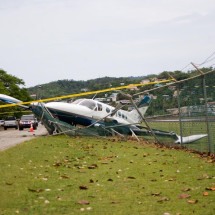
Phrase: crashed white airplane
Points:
(92, 113)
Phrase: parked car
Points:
(10, 122)
(26, 121)
(1, 122)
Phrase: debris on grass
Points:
(83, 202)
(83, 187)
(192, 201)
(184, 196)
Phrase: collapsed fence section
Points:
(187, 108)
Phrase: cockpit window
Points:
(107, 110)
(99, 107)
(77, 101)
(88, 103)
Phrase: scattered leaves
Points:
(131, 177)
(35, 190)
(64, 177)
(104, 162)
(163, 199)
(184, 196)
(204, 176)
(156, 194)
(115, 202)
(210, 188)
(57, 164)
(186, 189)
(8, 183)
(93, 166)
(171, 179)
(83, 202)
(192, 201)
(83, 187)
(205, 194)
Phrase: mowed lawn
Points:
(85, 175)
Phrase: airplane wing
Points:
(11, 100)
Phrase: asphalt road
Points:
(12, 137)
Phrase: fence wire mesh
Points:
(187, 108)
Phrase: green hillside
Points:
(66, 87)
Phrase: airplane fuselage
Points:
(87, 111)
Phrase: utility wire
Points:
(208, 59)
(185, 67)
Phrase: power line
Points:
(185, 67)
(211, 60)
(208, 59)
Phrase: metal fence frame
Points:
(210, 144)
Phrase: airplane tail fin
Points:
(143, 105)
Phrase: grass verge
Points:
(61, 175)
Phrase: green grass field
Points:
(84, 175)
(189, 128)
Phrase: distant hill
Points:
(66, 87)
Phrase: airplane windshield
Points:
(88, 103)
(77, 101)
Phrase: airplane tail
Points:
(143, 105)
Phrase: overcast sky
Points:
(49, 40)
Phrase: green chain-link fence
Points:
(187, 108)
